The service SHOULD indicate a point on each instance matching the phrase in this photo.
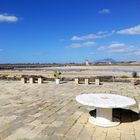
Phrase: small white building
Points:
(87, 63)
(109, 62)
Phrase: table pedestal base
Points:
(104, 118)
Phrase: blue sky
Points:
(48, 31)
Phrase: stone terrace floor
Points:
(50, 112)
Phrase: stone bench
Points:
(97, 81)
(31, 79)
(86, 80)
(76, 80)
(24, 80)
(40, 80)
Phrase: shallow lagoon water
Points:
(79, 70)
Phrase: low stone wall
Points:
(91, 78)
(119, 79)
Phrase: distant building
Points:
(109, 62)
(87, 63)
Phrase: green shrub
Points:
(57, 74)
(134, 74)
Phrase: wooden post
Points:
(86, 81)
(97, 82)
(76, 80)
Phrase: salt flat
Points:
(74, 71)
(50, 112)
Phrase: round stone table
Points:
(104, 104)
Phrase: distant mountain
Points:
(106, 60)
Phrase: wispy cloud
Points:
(91, 36)
(130, 31)
(8, 18)
(120, 48)
(104, 11)
(82, 45)
(113, 46)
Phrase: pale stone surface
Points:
(74, 132)
(97, 82)
(40, 80)
(50, 112)
(31, 80)
(76, 81)
(100, 100)
(86, 81)
(23, 80)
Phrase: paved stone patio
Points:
(50, 112)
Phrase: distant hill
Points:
(106, 60)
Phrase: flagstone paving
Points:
(50, 112)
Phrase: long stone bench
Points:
(32, 78)
(86, 80)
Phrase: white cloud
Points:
(131, 31)
(8, 18)
(104, 11)
(113, 46)
(81, 45)
(92, 36)
(116, 45)
(120, 48)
